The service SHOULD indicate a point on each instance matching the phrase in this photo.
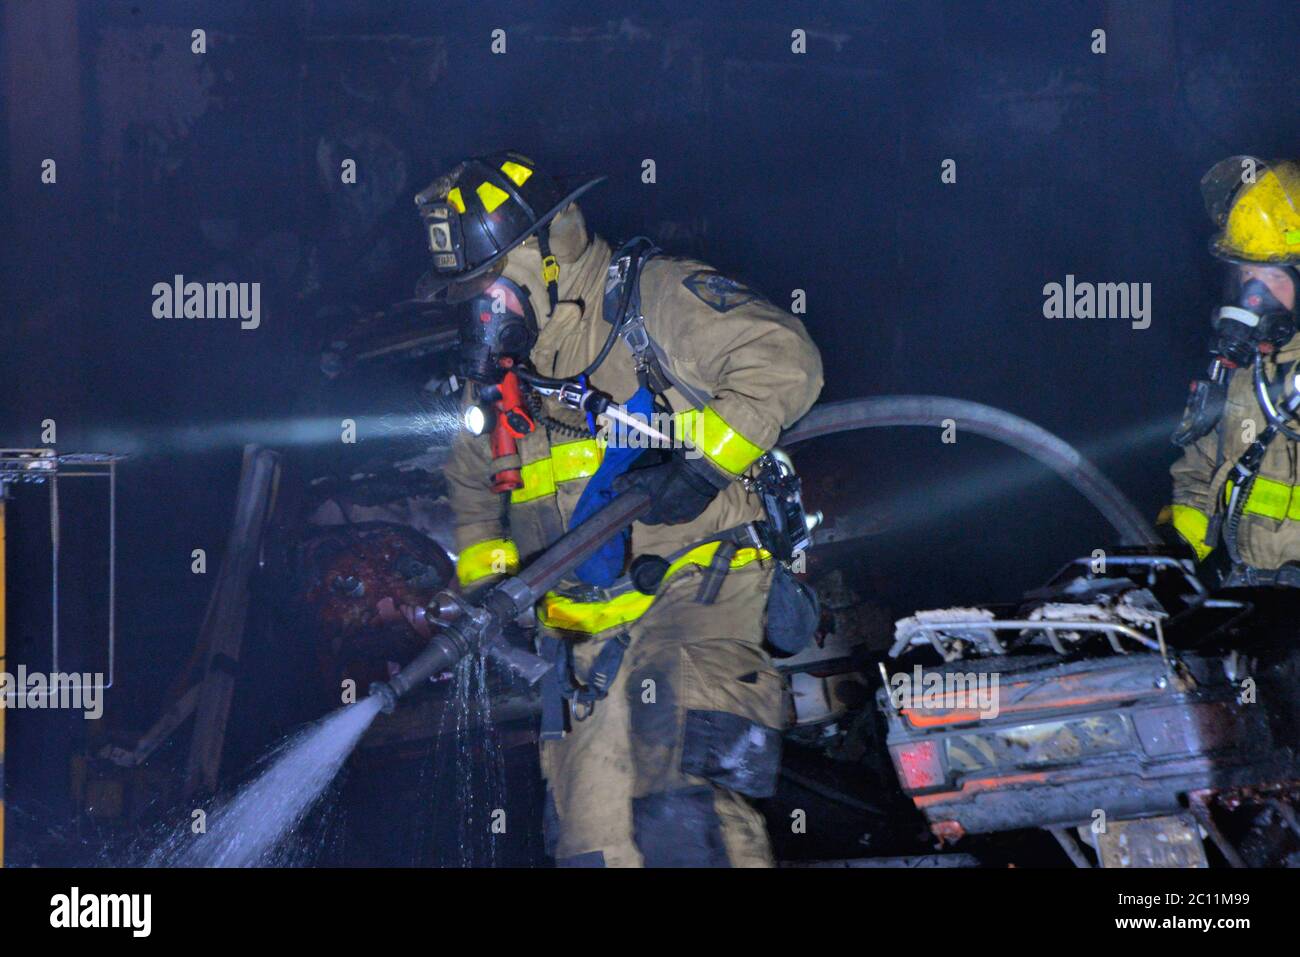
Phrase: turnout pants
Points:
(660, 771)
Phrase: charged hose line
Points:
(573, 547)
(933, 411)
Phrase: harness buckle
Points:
(634, 334)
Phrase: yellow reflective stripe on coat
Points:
(496, 556)
(575, 460)
(1192, 524)
(568, 614)
(572, 460)
(539, 480)
(710, 433)
(1271, 499)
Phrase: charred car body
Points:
(1123, 691)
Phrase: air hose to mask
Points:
(616, 324)
(1246, 469)
(535, 378)
(1276, 416)
(1253, 324)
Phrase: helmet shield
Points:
(1257, 207)
(1225, 179)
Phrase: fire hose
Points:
(476, 625)
(1001, 426)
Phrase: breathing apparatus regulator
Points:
(498, 330)
(1253, 324)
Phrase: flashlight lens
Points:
(474, 420)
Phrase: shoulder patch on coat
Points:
(717, 291)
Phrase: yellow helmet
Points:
(1257, 206)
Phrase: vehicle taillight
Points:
(919, 765)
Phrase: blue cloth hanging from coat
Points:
(605, 566)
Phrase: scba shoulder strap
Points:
(623, 311)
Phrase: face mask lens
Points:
(1252, 318)
(1264, 290)
(503, 297)
(497, 323)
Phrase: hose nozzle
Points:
(443, 651)
(384, 691)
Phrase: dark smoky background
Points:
(817, 172)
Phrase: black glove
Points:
(681, 488)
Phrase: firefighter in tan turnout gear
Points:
(1236, 494)
(662, 716)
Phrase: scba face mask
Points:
(498, 323)
(1254, 320)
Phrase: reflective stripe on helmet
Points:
(496, 556)
(723, 445)
(491, 196)
(517, 172)
(568, 614)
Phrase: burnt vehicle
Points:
(1139, 717)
